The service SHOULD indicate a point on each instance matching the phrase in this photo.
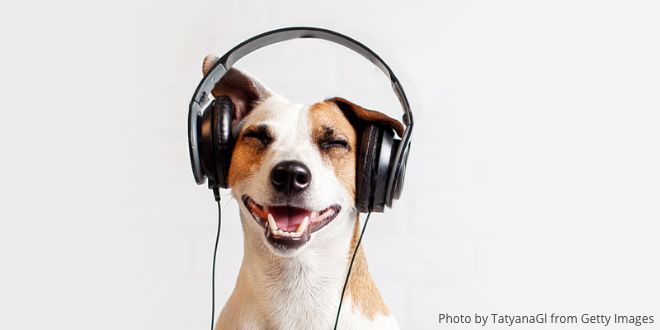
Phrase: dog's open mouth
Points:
(288, 225)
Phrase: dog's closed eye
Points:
(334, 143)
(259, 133)
(330, 139)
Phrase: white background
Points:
(533, 183)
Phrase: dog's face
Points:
(293, 167)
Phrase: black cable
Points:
(350, 267)
(215, 252)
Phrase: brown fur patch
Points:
(324, 116)
(246, 159)
(361, 287)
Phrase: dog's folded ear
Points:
(360, 115)
(244, 90)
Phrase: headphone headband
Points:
(203, 97)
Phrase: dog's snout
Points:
(290, 177)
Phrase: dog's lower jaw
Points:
(298, 291)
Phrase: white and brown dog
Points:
(293, 171)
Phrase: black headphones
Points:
(382, 158)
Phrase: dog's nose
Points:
(290, 177)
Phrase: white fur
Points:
(301, 289)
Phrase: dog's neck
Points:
(276, 292)
(300, 289)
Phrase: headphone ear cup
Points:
(399, 172)
(223, 144)
(206, 153)
(382, 165)
(367, 155)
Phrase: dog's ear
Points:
(360, 116)
(209, 60)
(244, 90)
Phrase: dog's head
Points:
(293, 167)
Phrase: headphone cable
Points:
(350, 267)
(215, 252)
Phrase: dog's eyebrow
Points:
(328, 131)
(331, 133)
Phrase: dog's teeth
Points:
(272, 223)
(303, 226)
(279, 232)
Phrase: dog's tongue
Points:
(288, 218)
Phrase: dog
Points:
(293, 172)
